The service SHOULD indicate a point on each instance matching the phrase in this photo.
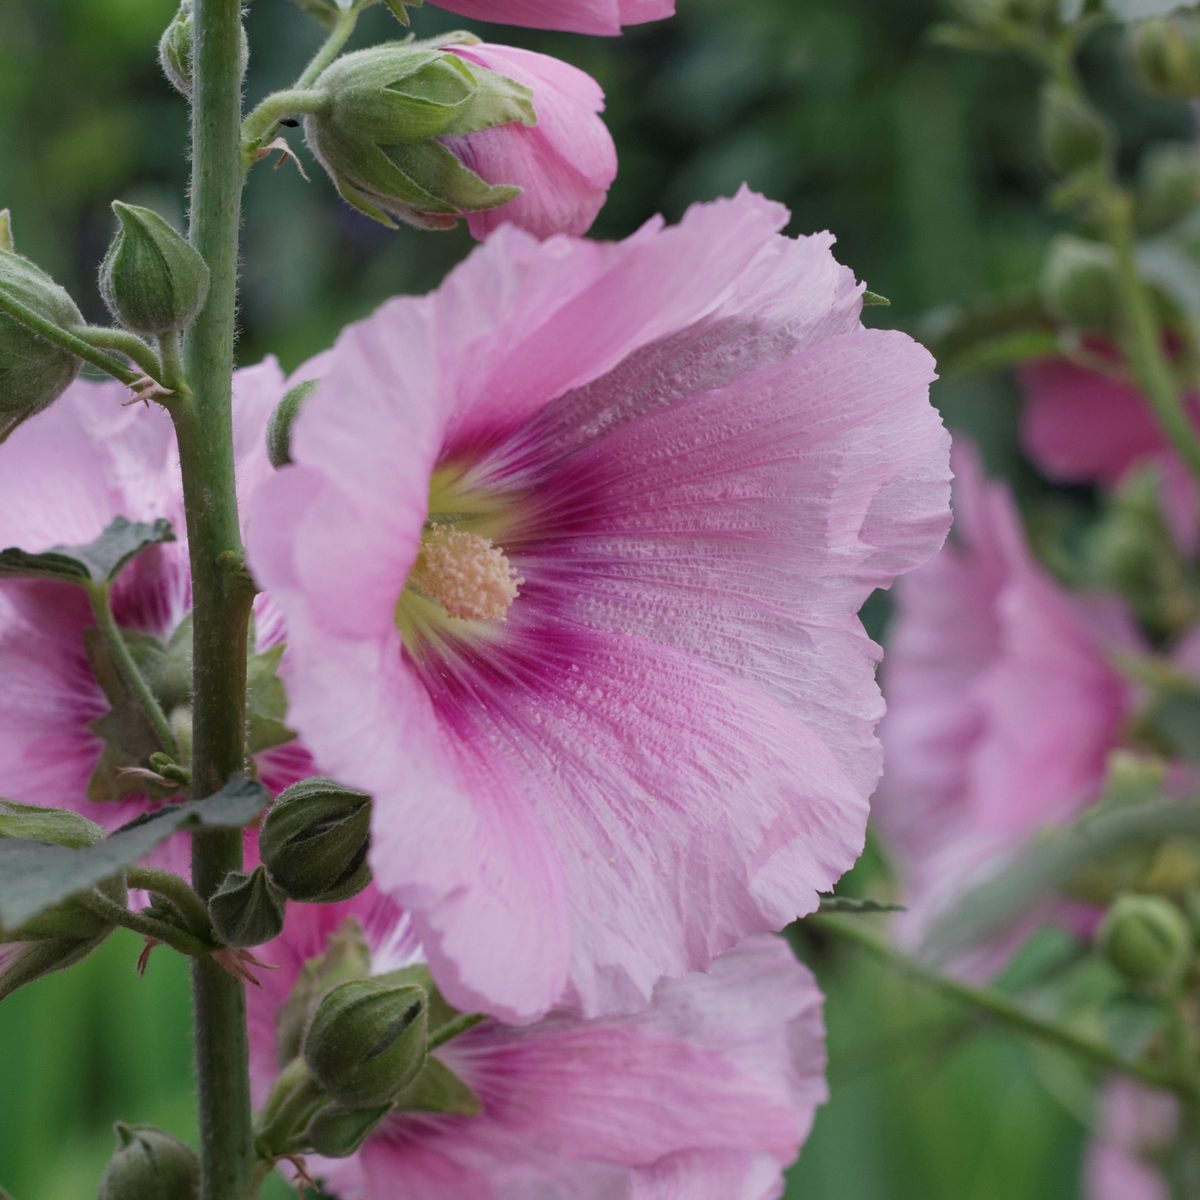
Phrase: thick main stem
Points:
(221, 599)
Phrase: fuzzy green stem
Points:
(452, 1029)
(163, 883)
(290, 1117)
(260, 126)
(342, 29)
(160, 931)
(221, 602)
(999, 1007)
(67, 341)
(126, 343)
(172, 363)
(131, 676)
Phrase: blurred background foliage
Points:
(923, 163)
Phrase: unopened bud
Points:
(1079, 283)
(6, 237)
(33, 371)
(279, 427)
(247, 910)
(366, 1042)
(1166, 54)
(149, 1164)
(1168, 187)
(1072, 134)
(151, 279)
(337, 1132)
(1146, 938)
(175, 49)
(315, 839)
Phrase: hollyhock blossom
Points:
(571, 553)
(576, 16)
(1135, 1122)
(1080, 426)
(64, 476)
(1002, 705)
(706, 1093)
(564, 164)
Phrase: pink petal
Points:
(577, 16)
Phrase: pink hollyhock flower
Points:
(1079, 426)
(1135, 1123)
(706, 1093)
(64, 476)
(571, 556)
(565, 163)
(576, 16)
(1002, 706)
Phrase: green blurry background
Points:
(924, 165)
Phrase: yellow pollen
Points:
(468, 576)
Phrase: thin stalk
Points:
(261, 125)
(67, 341)
(172, 363)
(452, 1029)
(342, 29)
(999, 1007)
(291, 1116)
(131, 676)
(126, 343)
(160, 931)
(163, 883)
(221, 601)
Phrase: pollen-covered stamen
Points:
(465, 574)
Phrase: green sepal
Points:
(337, 1131)
(399, 8)
(266, 702)
(437, 1089)
(59, 826)
(279, 427)
(99, 561)
(247, 909)
(871, 299)
(435, 170)
(417, 975)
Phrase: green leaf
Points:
(324, 11)
(266, 702)
(35, 875)
(97, 562)
(849, 904)
(438, 1089)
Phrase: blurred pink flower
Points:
(576, 16)
(1080, 426)
(64, 476)
(1002, 707)
(706, 1093)
(1135, 1121)
(565, 163)
(695, 465)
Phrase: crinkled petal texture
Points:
(64, 476)
(564, 164)
(1080, 426)
(706, 1094)
(1135, 1122)
(707, 464)
(575, 16)
(1002, 707)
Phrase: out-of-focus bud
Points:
(149, 1164)
(366, 1042)
(376, 131)
(1073, 135)
(279, 427)
(33, 371)
(337, 1132)
(1166, 54)
(1168, 187)
(1079, 283)
(247, 910)
(151, 279)
(1147, 939)
(59, 826)
(6, 237)
(175, 49)
(315, 839)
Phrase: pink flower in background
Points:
(1135, 1122)
(64, 476)
(1002, 707)
(706, 1093)
(576, 16)
(654, 480)
(565, 163)
(1079, 426)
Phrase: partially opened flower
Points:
(1002, 704)
(576, 16)
(1136, 1126)
(571, 554)
(707, 1093)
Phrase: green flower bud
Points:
(1079, 283)
(1166, 54)
(247, 910)
(1072, 134)
(366, 1041)
(175, 49)
(279, 427)
(151, 279)
(375, 131)
(149, 1164)
(1168, 187)
(315, 839)
(336, 1132)
(1146, 938)
(6, 238)
(33, 371)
